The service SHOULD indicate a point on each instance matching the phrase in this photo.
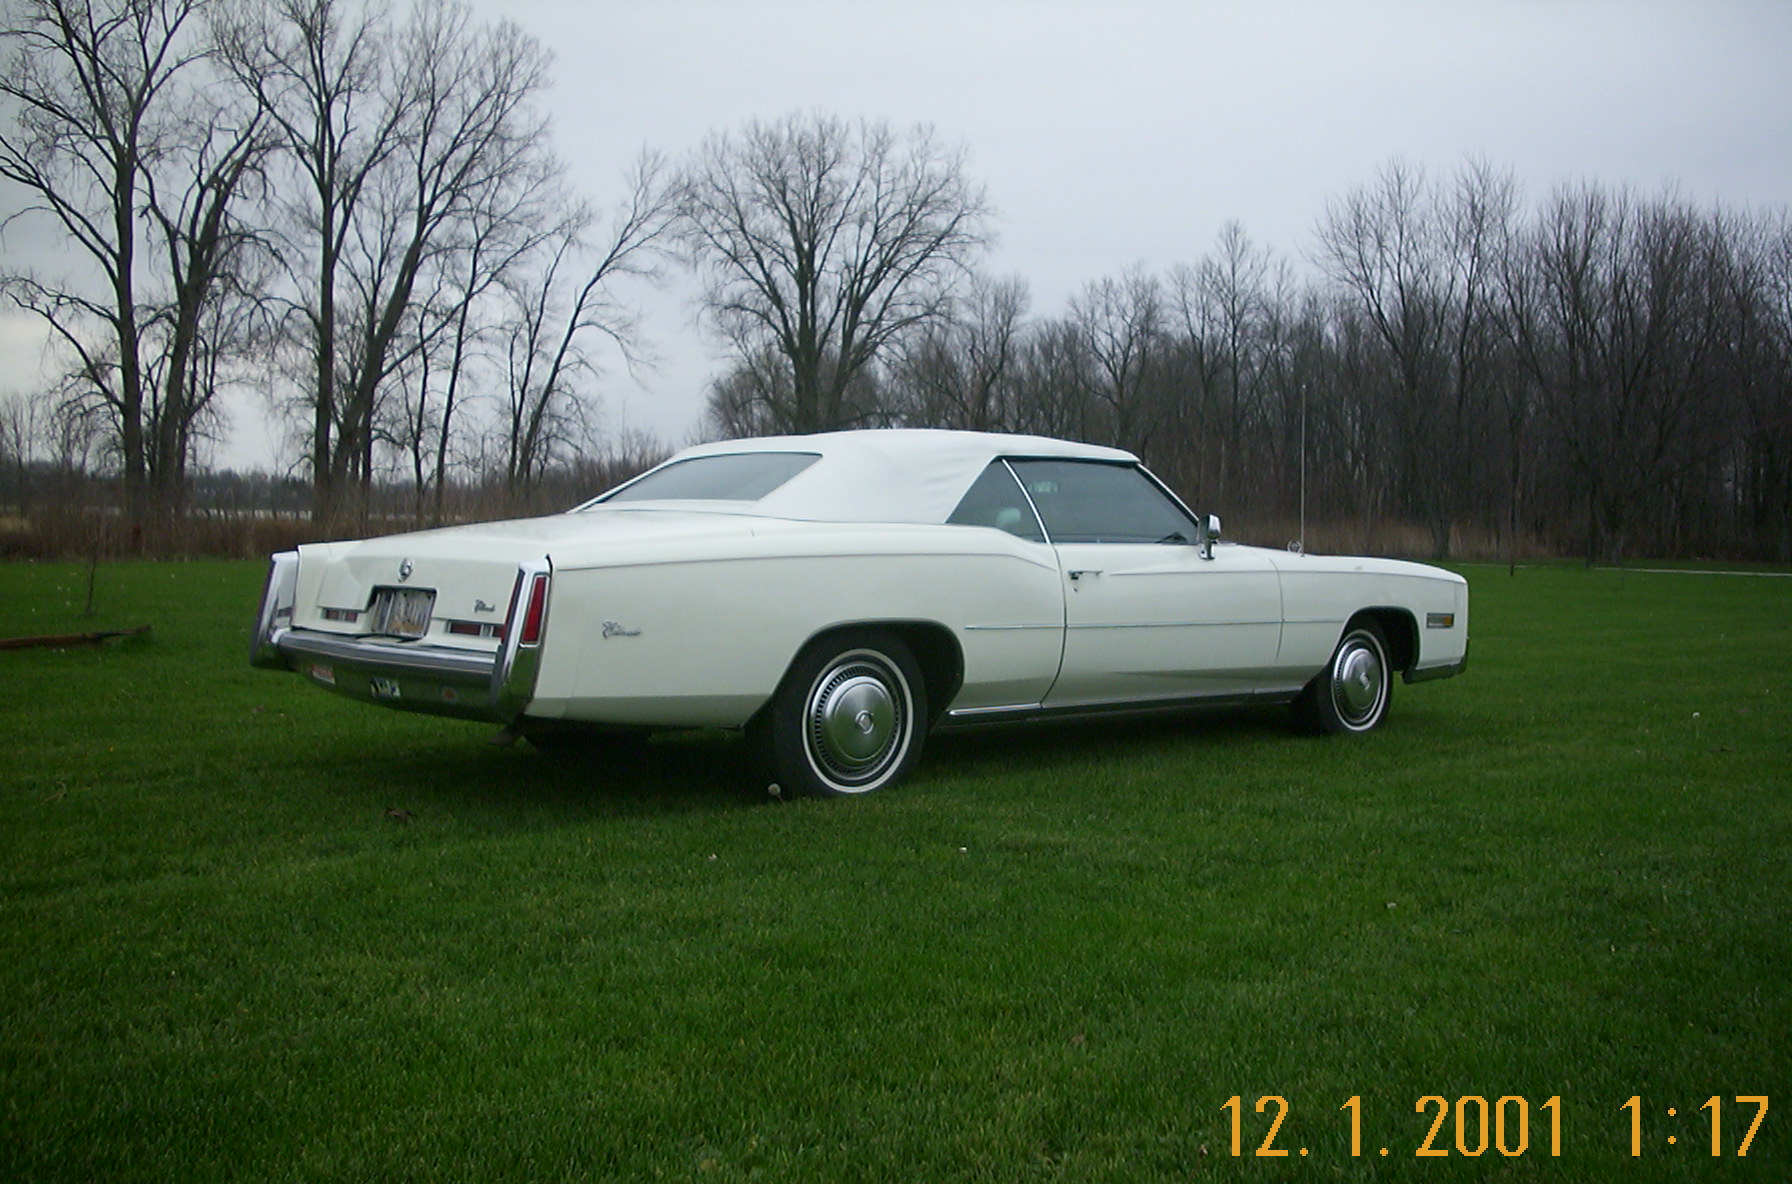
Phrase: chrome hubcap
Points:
(1358, 682)
(856, 719)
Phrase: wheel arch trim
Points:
(932, 643)
(1399, 632)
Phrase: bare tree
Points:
(1291, 374)
(412, 425)
(24, 423)
(622, 455)
(92, 82)
(466, 128)
(216, 288)
(1420, 270)
(740, 403)
(556, 309)
(1223, 307)
(318, 70)
(495, 239)
(1762, 294)
(957, 372)
(1615, 324)
(1124, 324)
(826, 241)
(1053, 381)
(399, 133)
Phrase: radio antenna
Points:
(1301, 546)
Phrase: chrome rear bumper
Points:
(409, 675)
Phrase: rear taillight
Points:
(536, 610)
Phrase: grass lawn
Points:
(1055, 954)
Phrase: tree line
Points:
(358, 206)
(1606, 373)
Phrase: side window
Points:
(1101, 502)
(995, 499)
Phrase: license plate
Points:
(403, 612)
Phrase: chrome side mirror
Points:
(1210, 533)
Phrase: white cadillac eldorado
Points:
(838, 595)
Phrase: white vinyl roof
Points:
(886, 474)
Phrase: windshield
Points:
(731, 477)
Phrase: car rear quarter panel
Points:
(702, 640)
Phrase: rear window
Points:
(730, 477)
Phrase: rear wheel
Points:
(849, 717)
(1352, 693)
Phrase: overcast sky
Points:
(1118, 132)
(1123, 132)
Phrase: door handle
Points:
(1079, 573)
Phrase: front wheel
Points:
(1353, 691)
(849, 717)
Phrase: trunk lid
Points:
(472, 569)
